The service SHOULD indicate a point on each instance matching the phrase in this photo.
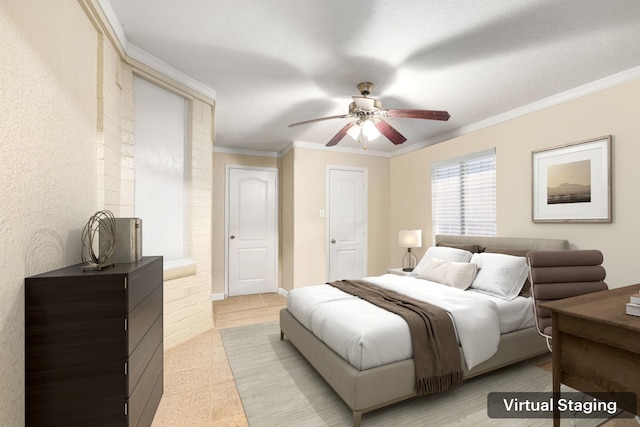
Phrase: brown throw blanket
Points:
(435, 349)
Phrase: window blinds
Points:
(464, 195)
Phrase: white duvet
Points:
(368, 336)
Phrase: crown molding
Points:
(285, 150)
(346, 150)
(300, 144)
(113, 22)
(245, 152)
(142, 56)
(557, 99)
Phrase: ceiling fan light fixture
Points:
(370, 130)
(364, 103)
(354, 131)
(368, 119)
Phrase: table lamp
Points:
(409, 239)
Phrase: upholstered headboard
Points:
(518, 243)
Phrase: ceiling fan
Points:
(368, 120)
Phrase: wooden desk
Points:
(596, 345)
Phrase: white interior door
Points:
(251, 230)
(347, 223)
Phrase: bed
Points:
(366, 383)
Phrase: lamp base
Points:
(409, 261)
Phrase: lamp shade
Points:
(354, 132)
(410, 238)
(364, 127)
(370, 130)
(364, 103)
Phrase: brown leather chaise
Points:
(562, 274)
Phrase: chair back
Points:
(562, 274)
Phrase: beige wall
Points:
(66, 152)
(309, 234)
(609, 112)
(287, 220)
(302, 188)
(47, 161)
(187, 299)
(187, 303)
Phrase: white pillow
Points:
(445, 253)
(499, 275)
(456, 274)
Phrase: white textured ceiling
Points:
(276, 62)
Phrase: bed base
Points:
(364, 391)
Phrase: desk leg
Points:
(555, 360)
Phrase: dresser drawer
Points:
(142, 355)
(142, 317)
(143, 280)
(148, 389)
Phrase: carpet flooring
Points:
(279, 388)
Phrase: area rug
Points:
(278, 387)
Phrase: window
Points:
(160, 132)
(464, 195)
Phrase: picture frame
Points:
(572, 182)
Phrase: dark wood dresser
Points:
(93, 345)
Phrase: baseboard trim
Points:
(218, 297)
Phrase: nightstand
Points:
(398, 271)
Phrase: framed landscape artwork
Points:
(572, 182)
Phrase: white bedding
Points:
(513, 315)
(368, 336)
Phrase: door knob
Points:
(232, 237)
(333, 241)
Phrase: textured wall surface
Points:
(66, 151)
(47, 161)
(187, 308)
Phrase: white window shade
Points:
(160, 131)
(464, 195)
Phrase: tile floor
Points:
(199, 389)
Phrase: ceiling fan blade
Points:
(419, 114)
(341, 116)
(390, 132)
(341, 133)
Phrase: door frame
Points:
(327, 227)
(276, 272)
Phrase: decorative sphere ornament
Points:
(99, 234)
